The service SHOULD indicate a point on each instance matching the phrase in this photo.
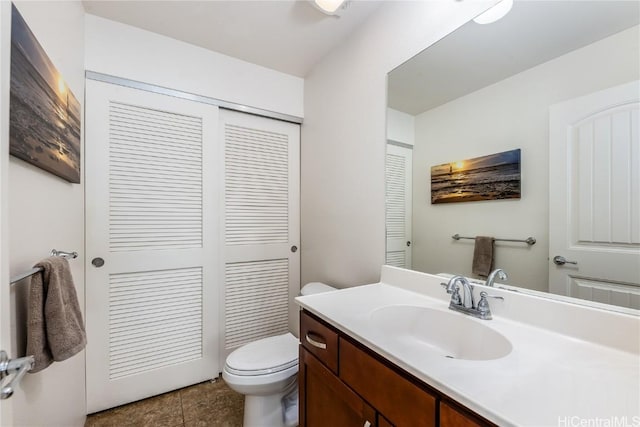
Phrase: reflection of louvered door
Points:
(262, 264)
(151, 194)
(398, 205)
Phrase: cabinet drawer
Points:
(398, 399)
(320, 340)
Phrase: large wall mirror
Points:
(558, 80)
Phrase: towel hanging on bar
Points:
(55, 329)
(483, 256)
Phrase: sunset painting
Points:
(44, 118)
(496, 176)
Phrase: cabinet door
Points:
(397, 398)
(452, 417)
(327, 401)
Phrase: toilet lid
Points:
(264, 356)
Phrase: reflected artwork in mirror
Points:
(492, 177)
(562, 78)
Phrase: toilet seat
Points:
(265, 372)
(265, 356)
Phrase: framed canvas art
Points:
(492, 177)
(44, 115)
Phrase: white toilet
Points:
(265, 371)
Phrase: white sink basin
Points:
(452, 335)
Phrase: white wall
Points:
(5, 330)
(401, 127)
(46, 212)
(343, 138)
(124, 51)
(507, 115)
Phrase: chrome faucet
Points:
(502, 275)
(466, 303)
(467, 291)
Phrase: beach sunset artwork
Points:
(492, 177)
(44, 117)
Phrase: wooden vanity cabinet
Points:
(342, 383)
(320, 340)
(451, 416)
(402, 402)
(327, 401)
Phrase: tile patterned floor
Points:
(208, 404)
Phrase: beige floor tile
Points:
(209, 404)
(212, 405)
(162, 411)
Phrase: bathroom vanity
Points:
(392, 353)
(338, 376)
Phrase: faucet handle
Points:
(484, 296)
(483, 305)
(455, 296)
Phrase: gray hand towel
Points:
(483, 256)
(55, 330)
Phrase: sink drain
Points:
(450, 357)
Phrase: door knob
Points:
(408, 243)
(19, 367)
(560, 260)
(294, 248)
(97, 262)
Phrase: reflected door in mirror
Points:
(594, 205)
(398, 205)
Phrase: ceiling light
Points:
(494, 13)
(330, 7)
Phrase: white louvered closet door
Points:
(262, 227)
(151, 216)
(398, 177)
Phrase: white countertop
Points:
(548, 379)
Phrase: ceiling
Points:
(288, 36)
(475, 56)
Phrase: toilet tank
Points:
(315, 288)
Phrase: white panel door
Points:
(153, 251)
(398, 205)
(595, 197)
(262, 227)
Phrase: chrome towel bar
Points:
(33, 271)
(529, 240)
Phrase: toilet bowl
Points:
(265, 371)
